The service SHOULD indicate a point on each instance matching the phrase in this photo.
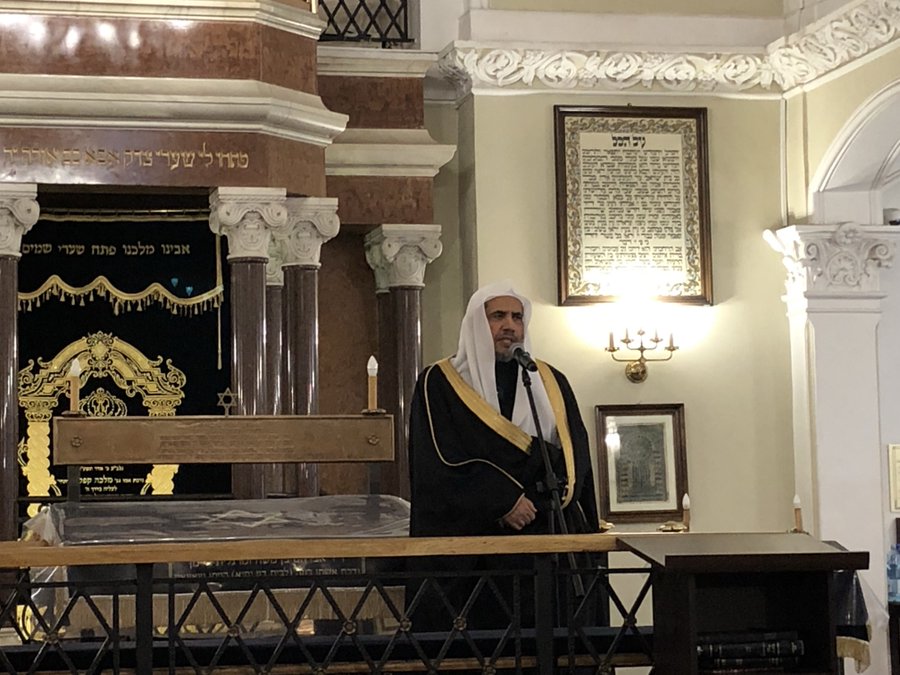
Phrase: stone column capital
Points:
(247, 217)
(19, 212)
(398, 254)
(834, 264)
(311, 221)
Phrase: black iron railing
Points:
(384, 21)
(144, 621)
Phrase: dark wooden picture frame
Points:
(645, 480)
(632, 197)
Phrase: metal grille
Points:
(384, 21)
(363, 623)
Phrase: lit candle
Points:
(686, 509)
(372, 370)
(612, 343)
(798, 514)
(74, 379)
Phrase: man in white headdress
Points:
(476, 467)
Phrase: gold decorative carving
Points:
(101, 403)
(100, 355)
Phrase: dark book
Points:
(758, 649)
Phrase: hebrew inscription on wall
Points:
(633, 205)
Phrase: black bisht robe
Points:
(468, 467)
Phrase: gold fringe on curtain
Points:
(101, 287)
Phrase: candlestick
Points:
(74, 378)
(798, 514)
(686, 509)
(372, 370)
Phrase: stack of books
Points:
(750, 651)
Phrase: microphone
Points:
(522, 357)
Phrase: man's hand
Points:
(522, 514)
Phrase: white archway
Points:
(859, 176)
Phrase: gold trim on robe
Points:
(502, 426)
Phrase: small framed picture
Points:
(642, 462)
(894, 475)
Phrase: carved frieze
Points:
(802, 57)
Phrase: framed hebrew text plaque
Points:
(632, 204)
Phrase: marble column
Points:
(247, 217)
(18, 213)
(834, 304)
(398, 254)
(279, 481)
(311, 221)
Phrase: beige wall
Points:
(681, 7)
(732, 373)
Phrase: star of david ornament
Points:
(227, 400)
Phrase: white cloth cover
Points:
(475, 356)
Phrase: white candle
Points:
(612, 343)
(671, 341)
(798, 514)
(686, 508)
(74, 379)
(372, 371)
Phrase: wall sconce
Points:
(636, 366)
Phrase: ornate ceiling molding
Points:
(845, 36)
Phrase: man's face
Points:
(505, 316)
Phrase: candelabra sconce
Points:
(638, 347)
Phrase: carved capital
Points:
(398, 254)
(311, 221)
(247, 217)
(19, 212)
(275, 264)
(840, 261)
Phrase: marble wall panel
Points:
(126, 47)
(376, 102)
(375, 200)
(347, 337)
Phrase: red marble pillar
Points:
(398, 254)
(275, 483)
(18, 213)
(311, 222)
(246, 217)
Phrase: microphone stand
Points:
(552, 483)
